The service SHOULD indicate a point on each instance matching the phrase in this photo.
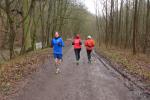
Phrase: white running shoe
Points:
(57, 70)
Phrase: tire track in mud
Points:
(129, 82)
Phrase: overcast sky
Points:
(90, 4)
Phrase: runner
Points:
(77, 47)
(57, 44)
(89, 43)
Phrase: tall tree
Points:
(26, 38)
(147, 35)
(12, 33)
(127, 23)
(135, 19)
(112, 21)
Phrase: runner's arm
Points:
(62, 43)
(85, 43)
(73, 43)
(80, 42)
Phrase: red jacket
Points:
(77, 43)
(89, 43)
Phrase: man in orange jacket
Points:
(89, 44)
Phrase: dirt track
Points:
(83, 82)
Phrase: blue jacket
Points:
(57, 44)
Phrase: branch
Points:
(29, 11)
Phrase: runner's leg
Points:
(89, 55)
(79, 53)
(56, 65)
(76, 54)
(56, 61)
(59, 57)
(56, 56)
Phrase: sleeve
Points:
(73, 42)
(93, 43)
(80, 42)
(62, 42)
(85, 43)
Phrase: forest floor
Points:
(35, 79)
(133, 67)
(18, 69)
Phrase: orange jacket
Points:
(89, 43)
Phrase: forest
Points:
(124, 24)
(116, 67)
(23, 23)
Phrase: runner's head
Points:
(89, 37)
(78, 36)
(56, 34)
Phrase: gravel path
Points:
(84, 82)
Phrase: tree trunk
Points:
(12, 33)
(26, 39)
(106, 29)
(135, 27)
(127, 23)
(147, 35)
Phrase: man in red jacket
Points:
(77, 47)
(89, 44)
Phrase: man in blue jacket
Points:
(57, 44)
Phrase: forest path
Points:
(84, 82)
